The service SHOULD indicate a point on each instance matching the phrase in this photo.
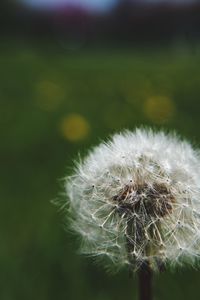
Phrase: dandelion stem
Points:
(145, 276)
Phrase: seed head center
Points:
(147, 201)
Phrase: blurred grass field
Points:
(55, 103)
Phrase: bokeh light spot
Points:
(49, 95)
(74, 127)
(159, 109)
(96, 5)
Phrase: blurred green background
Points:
(56, 102)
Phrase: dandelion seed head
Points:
(136, 199)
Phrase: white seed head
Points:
(136, 199)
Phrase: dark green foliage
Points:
(109, 88)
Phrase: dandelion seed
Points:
(136, 199)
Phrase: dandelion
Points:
(135, 200)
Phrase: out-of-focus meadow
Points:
(56, 102)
